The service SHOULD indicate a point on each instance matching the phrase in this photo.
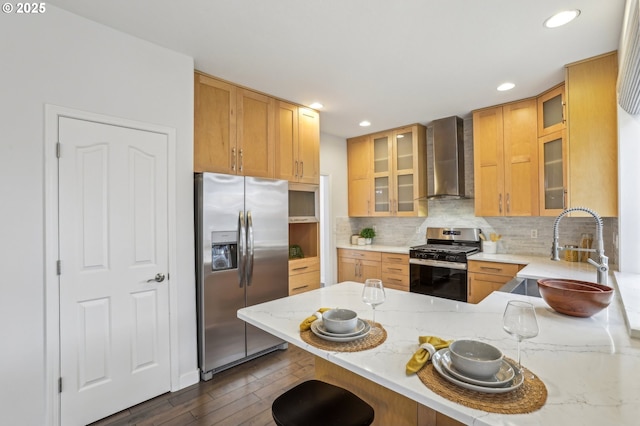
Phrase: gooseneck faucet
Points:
(602, 265)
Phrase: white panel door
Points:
(114, 316)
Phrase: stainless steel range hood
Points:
(445, 158)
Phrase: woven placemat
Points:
(376, 337)
(529, 397)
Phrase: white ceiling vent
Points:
(629, 76)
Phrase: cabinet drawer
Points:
(395, 258)
(495, 268)
(396, 269)
(304, 282)
(398, 282)
(360, 254)
(301, 266)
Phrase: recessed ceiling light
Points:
(561, 18)
(365, 123)
(316, 105)
(506, 86)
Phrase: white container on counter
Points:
(489, 247)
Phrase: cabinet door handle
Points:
(488, 268)
(296, 167)
(301, 168)
(233, 159)
(395, 269)
(299, 288)
(241, 160)
(300, 268)
(394, 258)
(500, 203)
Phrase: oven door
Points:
(441, 279)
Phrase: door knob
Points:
(158, 278)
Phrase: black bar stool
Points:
(316, 403)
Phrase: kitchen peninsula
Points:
(589, 365)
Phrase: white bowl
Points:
(475, 358)
(340, 320)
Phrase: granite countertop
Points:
(589, 365)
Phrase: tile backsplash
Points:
(515, 231)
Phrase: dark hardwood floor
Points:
(241, 395)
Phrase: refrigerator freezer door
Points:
(267, 206)
(220, 293)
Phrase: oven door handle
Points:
(439, 264)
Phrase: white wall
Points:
(59, 58)
(628, 173)
(629, 191)
(333, 163)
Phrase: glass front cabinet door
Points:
(553, 174)
(404, 172)
(382, 174)
(551, 111)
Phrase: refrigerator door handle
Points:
(242, 248)
(249, 248)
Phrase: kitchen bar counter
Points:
(627, 285)
(590, 366)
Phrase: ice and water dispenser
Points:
(224, 250)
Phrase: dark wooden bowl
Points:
(575, 298)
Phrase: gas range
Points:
(439, 267)
(448, 245)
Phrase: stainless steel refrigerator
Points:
(242, 239)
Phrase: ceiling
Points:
(392, 62)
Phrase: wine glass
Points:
(373, 294)
(520, 321)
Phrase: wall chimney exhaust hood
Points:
(445, 158)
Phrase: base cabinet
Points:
(304, 275)
(358, 265)
(390, 407)
(487, 277)
(395, 271)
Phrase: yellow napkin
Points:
(428, 346)
(306, 324)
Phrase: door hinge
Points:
(58, 267)
(58, 149)
(59, 384)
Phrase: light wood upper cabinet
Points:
(506, 160)
(592, 134)
(359, 158)
(553, 173)
(214, 126)
(297, 143)
(255, 149)
(551, 111)
(233, 129)
(243, 132)
(387, 173)
(309, 145)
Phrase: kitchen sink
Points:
(524, 286)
